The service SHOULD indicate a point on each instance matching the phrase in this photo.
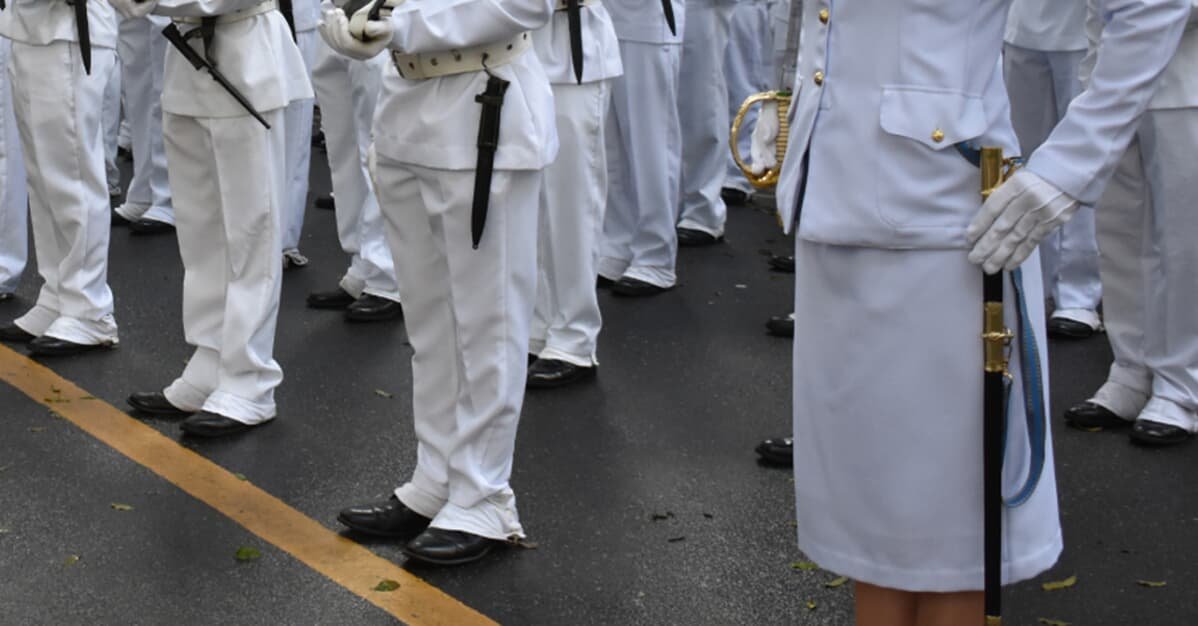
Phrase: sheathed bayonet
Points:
(179, 41)
(574, 21)
(83, 31)
(288, 11)
(668, 7)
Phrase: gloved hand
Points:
(1014, 219)
(335, 29)
(133, 8)
(763, 146)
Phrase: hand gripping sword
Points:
(668, 7)
(574, 21)
(83, 30)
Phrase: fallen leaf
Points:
(246, 553)
(4, 531)
(1052, 622)
(88, 398)
(811, 605)
(36, 429)
(55, 389)
(383, 394)
(676, 539)
(5, 468)
(742, 286)
(524, 543)
(839, 582)
(1151, 583)
(806, 566)
(708, 516)
(1092, 429)
(240, 476)
(71, 560)
(658, 517)
(1060, 584)
(386, 585)
(117, 506)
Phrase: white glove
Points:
(763, 146)
(1014, 219)
(133, 8)
(335, 30)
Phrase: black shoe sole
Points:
(171, 412)
(1157, 442)
(448, 562)
(588, 373)
(404, 536)
(71, 351)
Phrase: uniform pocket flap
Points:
(937, 118)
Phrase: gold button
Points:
(818, 78)
(824, 15)
(937, 135)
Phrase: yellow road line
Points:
(346, 563)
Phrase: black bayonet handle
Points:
(574, 21)
(668, 7)
(197, 61)
(288, 11)
(83, 30)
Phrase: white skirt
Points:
(888, 421)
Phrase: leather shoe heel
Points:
(695, 238)
(1150, 433)
(778, 451)
(1088, 415)
(333, 299)
(155, 403)
(53, 346)
(390, 518)
(546, 373)
(448, 547)
(633, 288)
(210, 425)
(370, 308)
(15, 334)
(781, 326)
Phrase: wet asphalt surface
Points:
(639, 489)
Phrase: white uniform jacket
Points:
(600, 48)
(256, 54)
(644, 20)
(872, 97)
(1047, 25)
(307, 14)
(40, 22)
(434, 123)
(1137, 43)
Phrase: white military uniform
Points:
(467, 310)
(348, 91)
(644, 146)
(298, 122)
(567, 320)
(228, 188)
(702, 92)
(143, 58)
(748, 69)
(1045, 43)
(14, 197)
(1146, 229)
(888, 386)
(58, 111)
(111, 117)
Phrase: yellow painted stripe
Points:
(343, 561)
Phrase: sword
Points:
(83, 30)
(668, 7)
(179, 41)
(574, 19)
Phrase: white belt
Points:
(561, 4)
(235, 16)
(462, 61)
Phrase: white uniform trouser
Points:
(467, 314)
(566, 320)
(227, 181)
(1149, 269)
(747, 70)
(1041, 85)
(298, 129)
(644, 151)
(112, 126)
(143, 57)
(14, 198)
(58, 110)
(348, 91)
(703, 112)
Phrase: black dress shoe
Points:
(1065, 328)
(211, 425)
(546, 373)
(334, 299)
(1150, 433)
(603, 282)
(781, 326)
(5, 295)
(370, 308)
(734, 197)
(155, 403)
(1087, 415)
(124, 154)
(119, 220)
(390, 518)
(785, 264)
(778, 451)
(634, 288)
(448, 547)
(325, 202)
(693, 238)
(15, 334)
(53, 346)
(150, 227)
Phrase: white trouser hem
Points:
(551, 353)
(420, 500)
(185, 396)
(239, 409)
(352, 285)
(36, 321)
(136, 211)
(87, 332)
(693, 225)
(386, 295)
(1085, 316)
(1165, 411)
(611, 268)
(494, 518)
(657, 276)
(1120, 399)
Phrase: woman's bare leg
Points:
(881, 606)
(963, 608)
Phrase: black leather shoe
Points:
(53, 346)
(781, 326)
(448, 547)
(1089, 415)
(155, 403)
(4, 295)
(603, 282)
(634, 288)
(546, 373)
(150, 227)
(390, 518)
(325, 202)
(370, 308)
(119, 220)
(693, 238)
(334, 299)
(15, 334)
(1064, 328)
(1150, 433)
(784, 264)
(734, 197)
(778, 451)
(211, 425)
